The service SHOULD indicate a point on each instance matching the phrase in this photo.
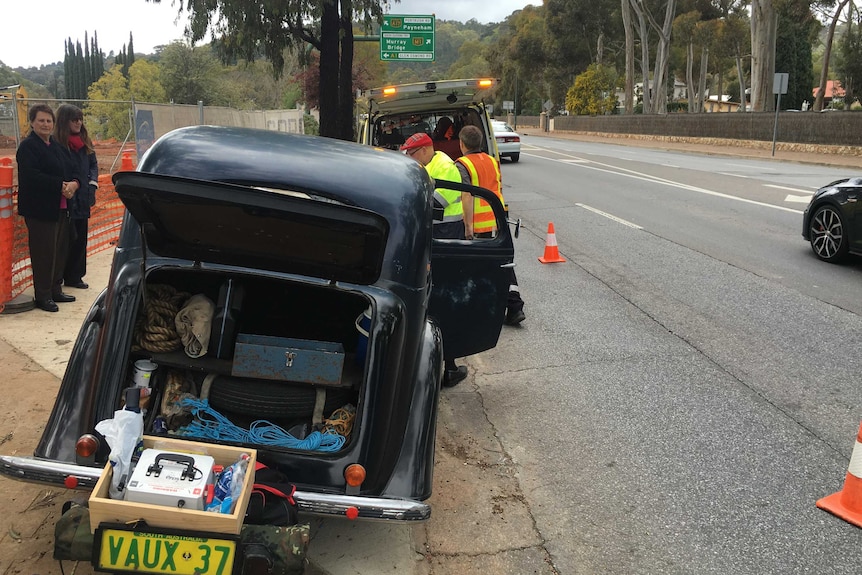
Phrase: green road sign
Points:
(406, 37)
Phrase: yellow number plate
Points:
(122, 551)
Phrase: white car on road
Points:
(508, 140)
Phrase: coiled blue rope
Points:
(210, 424)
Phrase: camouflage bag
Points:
(72, 538)
(276, 550)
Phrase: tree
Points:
(654, 92)
(797, 30)
(849, 67)
(593, 92)
(519, 59)
(827, 54)
(577, 32)
(254, 28)
(104, 118)
(189, 74)
(145, 84)
(764, 33)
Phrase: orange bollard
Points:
(847, 503)
(126, 164)
(7, 232)
(552, 252)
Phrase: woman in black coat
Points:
(47, 180)
(71, 133)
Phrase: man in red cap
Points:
(440, 166)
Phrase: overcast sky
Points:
(34, 34)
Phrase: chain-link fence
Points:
(117, 127)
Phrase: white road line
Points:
(797, 199)
(777, 187)
(626, 173)
(733, 175)
(670, 165)
(610, 217)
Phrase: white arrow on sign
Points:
(798, 199)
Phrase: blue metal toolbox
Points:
(288, 359)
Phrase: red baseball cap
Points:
(417, 140)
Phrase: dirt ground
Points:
(27, 524)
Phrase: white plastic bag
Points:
(123, 433)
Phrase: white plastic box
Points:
(171, 479)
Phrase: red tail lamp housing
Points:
(354, 475)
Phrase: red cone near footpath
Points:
(552, 252)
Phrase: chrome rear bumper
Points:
(33, 470)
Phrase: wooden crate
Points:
(106, 510)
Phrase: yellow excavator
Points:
(17, 95)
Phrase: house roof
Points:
(833, 89)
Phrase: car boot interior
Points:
(281, 361)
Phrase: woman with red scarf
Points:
(72, 134)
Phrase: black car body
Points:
(317, 231)
(832, 222)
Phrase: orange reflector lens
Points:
(485, 83)
(389, 91)
(354, 475)
(86, 446)
(351, 512)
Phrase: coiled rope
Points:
(210, 424)
(155, 328)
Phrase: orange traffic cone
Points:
(847, 503)
(126, 164)
(552, 252)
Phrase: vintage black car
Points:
(832, 222)
(324, 241)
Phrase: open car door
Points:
(470, 282)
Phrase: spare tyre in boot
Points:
(273, 399)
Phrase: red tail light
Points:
(86, 446)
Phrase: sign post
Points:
(779, 86)
(407, 38)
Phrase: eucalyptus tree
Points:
(849, 67)
(764, 33)
(654, 75)
(827, 51)
(519, 59)
(580, 33)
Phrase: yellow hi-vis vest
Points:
(485, 173)
(442, 167)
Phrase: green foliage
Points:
(593, 92)
(311, 126)
(848, 64)
(105, 119)
(189, 74)
(797, 28)
(145, 83)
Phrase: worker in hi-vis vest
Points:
(420, 147)
(440, 166)
(478, 168)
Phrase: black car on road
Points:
(832, 222)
